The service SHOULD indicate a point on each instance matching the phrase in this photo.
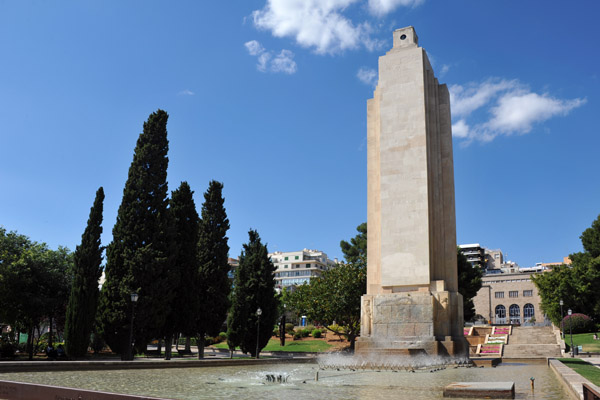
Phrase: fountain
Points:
(306, 381)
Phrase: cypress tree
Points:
(139, 257)
(186, 302)
(254, 287)
(83, 300)
(213, 253)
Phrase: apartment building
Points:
(296, 268)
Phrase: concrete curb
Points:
(572, 380)
(23, 366)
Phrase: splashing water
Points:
(421, 362)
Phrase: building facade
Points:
(475, 254)
(296, 268)
(493, 259)
(509, 298)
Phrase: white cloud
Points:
(465, 100)
(367, 76)
(254, 47)
(317, 24)
(186, 92)
(282, 62)
(263, 62)
(382, 7)
(444, 70)
(518, 112)
(460, 129)
(509, 106)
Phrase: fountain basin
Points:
(250, 381)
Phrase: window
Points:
(527, 293)
(513, 293)
(286, 259)
(514, 311)
(285, 266)
(528, 312)
(500, 314)
(307, 265)
(297, 258)
(499, 295)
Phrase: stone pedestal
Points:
(411, 323)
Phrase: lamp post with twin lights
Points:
(134, 299)
(258, 314)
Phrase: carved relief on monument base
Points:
(417, 321)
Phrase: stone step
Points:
(529, 350)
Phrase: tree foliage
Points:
(469, 283)
(139, 259)
(83, 299)
(185, 308)
(335, 296)
(34, 282)
(576, 284)
(213, 250)
(254, 287)
(355, 252)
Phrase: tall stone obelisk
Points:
(412, 304)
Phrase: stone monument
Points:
(412, 304)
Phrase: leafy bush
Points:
(316, 333)
(338, 330)
(289, 328)
(209, 340)
(7, 349)
(276, 331)
(578, 323)
(222, 336)
(310, 328)
(298, 335)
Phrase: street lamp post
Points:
(562, 324)
(282, 328)
(571, 333)
(258, 314)
(134, 299)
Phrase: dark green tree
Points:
(213, 251)
(590, 239)
(355, 252)
(469, 283)
(34, 283)
(576, 284)
(139, 259)
(83, 299)
(253, 288)
(186, 303)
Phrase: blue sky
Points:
(269, 97)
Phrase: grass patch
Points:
(586, 340)
(291, 345)
(587, 370)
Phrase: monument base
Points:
(413, 322)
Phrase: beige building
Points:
(493, 259)
(296, 268)
(509, 298)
